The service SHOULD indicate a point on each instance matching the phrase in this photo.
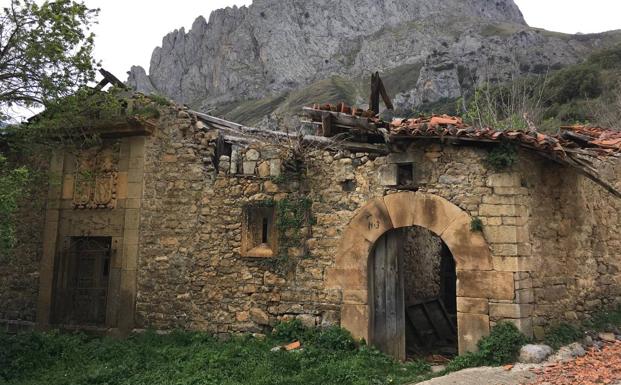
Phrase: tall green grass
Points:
(330, 356)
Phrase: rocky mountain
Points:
(255, 63)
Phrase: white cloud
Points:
(572, 16)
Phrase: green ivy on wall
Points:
(293, 222)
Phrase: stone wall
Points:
(422, 254)
(19, 268)
(185, 216)
(574, 231)
(192, 272)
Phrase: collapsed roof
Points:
(574, 146)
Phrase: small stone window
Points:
(258, 232)
(405, 175)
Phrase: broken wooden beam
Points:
(238, 133)
(377, 90)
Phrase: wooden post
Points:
(377, 90)
(326, 124)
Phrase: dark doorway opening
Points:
(413, 293)
(82, 274)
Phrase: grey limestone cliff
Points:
(263, 54)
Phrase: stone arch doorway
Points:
(351, 271)
(412, 294)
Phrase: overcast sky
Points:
(128, 30)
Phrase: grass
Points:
(328, 357)
(250, 112)
(564, 334)
(500, 30)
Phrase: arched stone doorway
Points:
(453, 225)
(412, 294)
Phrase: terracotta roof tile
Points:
(594, 140)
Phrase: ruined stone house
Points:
(402, 232)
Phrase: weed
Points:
(329, 356)
(476, 224)
(502, 156)
(502, 346)
(605, 320)
(562, 334)
(468, 360)
(147, 112)
(160, 100)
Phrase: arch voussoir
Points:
(372, 220)
(405, 209)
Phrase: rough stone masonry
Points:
(212, 233)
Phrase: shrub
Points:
(501, 347)
(289, 331)
(576, 82)
(607, 59)
(606, 320)
(562, 334)
(336, 338)
(502, 157)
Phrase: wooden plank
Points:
(447, 317)
(379, 294)
(347, 120)
(431, 321)
(398, 242)
(374, 97)
(326, 125)
(395, 325)
(112, 79)
(384, 94)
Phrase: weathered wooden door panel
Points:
(81, 286)
(386, 280)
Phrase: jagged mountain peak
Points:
(274, 47)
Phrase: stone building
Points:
(188, 221)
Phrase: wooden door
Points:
(82, 282)
(386, 284)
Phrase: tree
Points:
(45, 51)
(13, 182)
(45, 58)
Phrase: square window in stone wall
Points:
(259, 235)
(405, 175)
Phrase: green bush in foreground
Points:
(329, 356)
(501, 347)
(561, 335)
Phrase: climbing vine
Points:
(293, 221)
